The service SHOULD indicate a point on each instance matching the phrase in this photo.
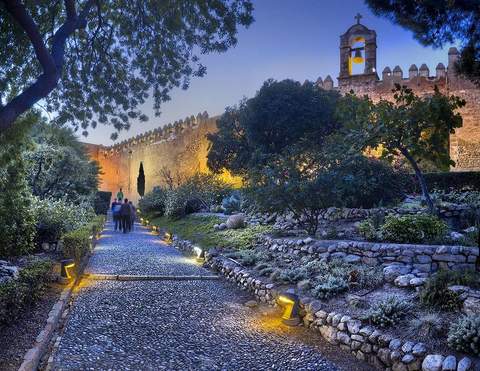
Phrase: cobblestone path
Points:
(177, 325)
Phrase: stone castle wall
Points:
(180, 148)
(465, 143)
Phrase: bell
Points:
(357, 58)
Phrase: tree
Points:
(411, 126)
(141, 181)
(96, 61)
(57, 165)
(437, 23)
(282, 114)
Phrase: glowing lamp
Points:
(357, 57)
(168, 237)
(67, 264)
(289, 302)
(141, 220)
(199, 252)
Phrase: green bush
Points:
(76, 244)
(413, 229)
(57, 217)
(329, 287)
(435, 292)
(17, 295)
(232, 203)
(468, 180)
(464, 335)
(368, 182)
(153, 202)
(101, 203)
(388, 312)
(367, 230)
(96, 224)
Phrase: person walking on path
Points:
(116, 206)
(133, 216)
(120, 195)
(125, 214)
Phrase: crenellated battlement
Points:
(159, 135)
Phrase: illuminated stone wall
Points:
(180, 148)
(465, 143)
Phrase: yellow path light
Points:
(289, 302)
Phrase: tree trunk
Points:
(420, 178)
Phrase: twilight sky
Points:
(296, 39)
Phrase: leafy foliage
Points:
(388, 312)
(435, 292)
(414, 127)
(17, 295)
(282, 114)
(104, 58)
(413, 228)
(464, 334)
(17, 223)
(76, 244)
(153, 202)
(444, 22)
(58, 166)
(232, 203)
(101, 202)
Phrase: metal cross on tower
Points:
(358, 17)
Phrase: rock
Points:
(399, 367)
(236, 221)
(404, 280)
(343, 338)
(471, 305)
(307, 240)
(395, 344)
(455, 236)
(384, 355)
(304, 284)
(356, 301)
(415, 282)
(408, 358)
(222, 226)
(251, 304)
(470, 230)
(329, 333)
(465, 364)
(432, 362)
(408, 346)
(449, 364)
(352, 258)
(419, 349)
(390, 272)
(353, 326)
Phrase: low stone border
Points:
(127, 277)
(34, 355)
(366, 343)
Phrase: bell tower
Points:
(358, 55)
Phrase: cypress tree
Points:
(141, 181)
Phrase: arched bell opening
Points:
(356, 62)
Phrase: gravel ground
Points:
(138, 252)
(178, 325)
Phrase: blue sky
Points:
(295, 39)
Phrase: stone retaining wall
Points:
(421, 258)
(365, 342)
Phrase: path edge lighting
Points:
(66, 265)
(289, 301)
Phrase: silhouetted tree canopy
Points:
(438, 22)
(96, 61)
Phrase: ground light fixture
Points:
(199, 252)
(290, 304)
(66, 265)
(168, 237)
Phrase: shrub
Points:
(76, 244)
(233, 203)
(16, 295)
(367, 230)
(101, 203)
(330, 287)
(464, 335)
(429, 325)
(413, 228)
(369, 182)
(153, 202)
(236, 221)
(435, 292)
(56, 217)
(448, 181)
(388, 312)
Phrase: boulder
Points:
(449, 363)
(465, 364)
(236, 221)
(432, 362)
(390, 272)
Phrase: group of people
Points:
(124, 213)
